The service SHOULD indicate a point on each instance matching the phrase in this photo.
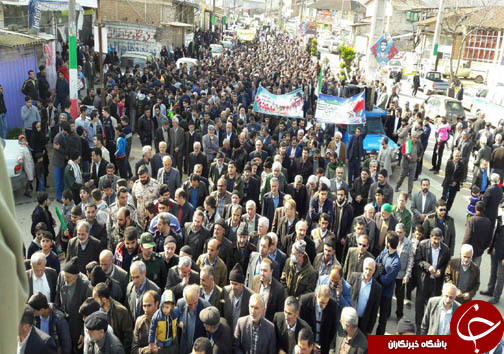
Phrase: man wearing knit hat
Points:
(217, 329)
(298, 276)
(239, 294)
(73, 289)
(100, 340)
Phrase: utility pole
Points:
(371, 38)
(72, 49)
(435, 40)
(100, 52)
(214, 19)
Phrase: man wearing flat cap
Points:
(99, 340)
(218, 330)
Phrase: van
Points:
(490, 100)
(190, 62)
(437, 107)
(131, 59)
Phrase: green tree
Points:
(347, 56)
(313, 49)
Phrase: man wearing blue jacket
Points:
(390, 265)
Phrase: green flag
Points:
(319, 85)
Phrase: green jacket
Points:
(71, 184)
(298, 283)
(403, 217)
(330, 172)
(156, 269)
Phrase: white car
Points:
(190, 62)
(13, 163)
(437, 107)
(217, 50)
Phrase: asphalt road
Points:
(25, 206)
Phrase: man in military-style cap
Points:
(156, 268)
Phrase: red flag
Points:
(359, 106)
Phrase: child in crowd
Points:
(40, 172)
(475, 197)
(26, 159)
(35, 245)
(68, 203)
(163, 329)
(84, 197)
(47, 242)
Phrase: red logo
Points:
(476, 325)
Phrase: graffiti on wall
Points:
(125, 37)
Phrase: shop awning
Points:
(176, 24)
(55, 5)
(13, 39)
(188, 3)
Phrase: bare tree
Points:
(463, 18)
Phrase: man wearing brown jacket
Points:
(464, 274)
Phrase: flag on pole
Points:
(406, 148)
(319, 85)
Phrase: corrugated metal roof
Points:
(348, 5)
(13, 39)
(487, 18)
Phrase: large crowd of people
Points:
(238, 232)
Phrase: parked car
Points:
(431, 82)
(13, 163)
(334, 47)
(216, 49)
(490, 100)
(186, 61)
(132, 59)
(437, 107)
(227, 44)
(469, 96)
(393, 68)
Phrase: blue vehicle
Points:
(375, 131)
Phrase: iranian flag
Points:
(406, 148)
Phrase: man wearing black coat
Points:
(430, 271)
(92, 250)
(478, 232)
(454, 177)
(175, 281)
(218, 329)
(163, 134)
(34, 340)
(297, 190)
(288, 318)
(492, 199)
(98, 166)
(268, 205)
(43, 84)
(195, 157)
(42, 214)
(147, 125)
(251, 186)
(326, 329)
(343, 218)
